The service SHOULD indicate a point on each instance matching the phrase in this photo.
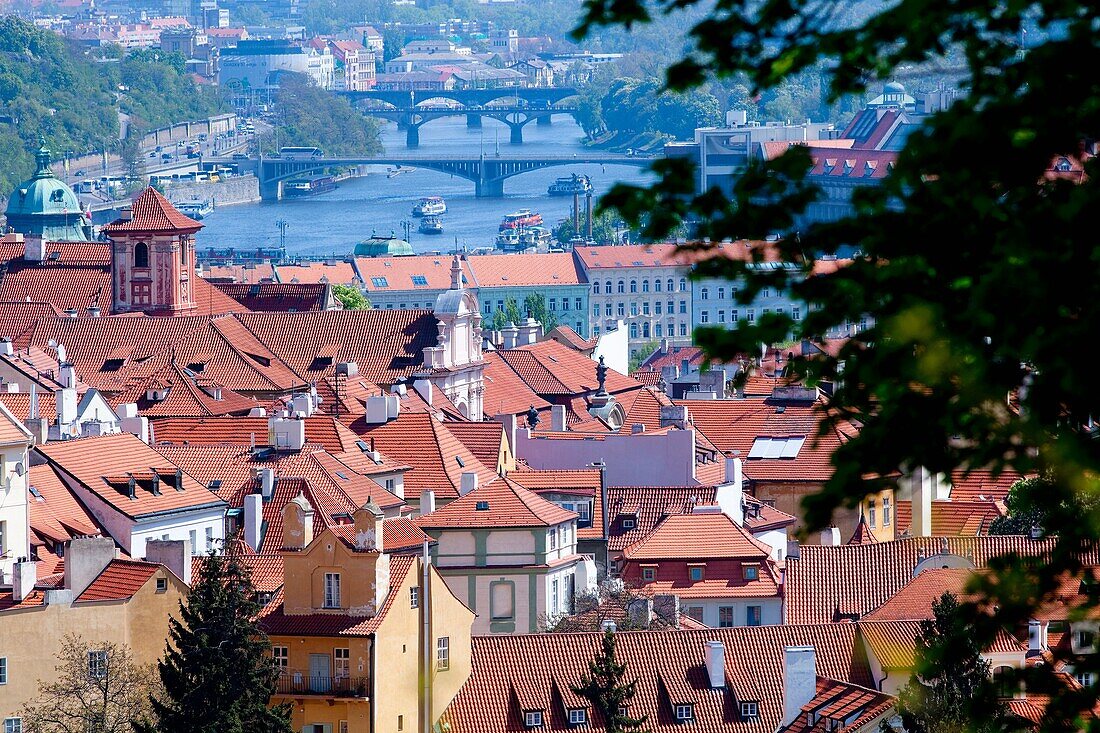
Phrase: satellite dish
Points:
(20, 469)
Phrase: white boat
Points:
(568, 185)
(521, 238)
(195, 209)
(430, 206)
(431, 225)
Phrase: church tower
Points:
(153, 257)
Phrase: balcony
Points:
(301, 683)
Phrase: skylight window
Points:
(767, 447)
(34, 492)
(379, 282)
(419, 280)
(482, 506)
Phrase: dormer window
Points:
(649, 573)
(532, 718)
(685, 713)
(750, 572)
(577, 716)
(750, 709)
(695, 572)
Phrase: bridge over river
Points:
(488, 172)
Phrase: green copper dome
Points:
(44, 206)
(378, 246)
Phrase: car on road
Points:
(239, 156)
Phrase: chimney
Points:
(376, 410)
(729, 495)
(640, 611)
(285, 433)
(510, 336)
(716, 664)
(34, 248)
(1036, 637)
(66, 405)
(172, 554)
(637, 428)
(297, 523)
(557, 419)
(799, 680)
(5, 347)
(368, 527)
(39, 427)
(94, 311)
(830, 537)
(423, 388)
(85, 559)
(528, 332)
(469, 482)
(129, 422)
(427, 501)
(24, 574)
(922, 489)
(667, 607)
(267, 483)
(253, 515)
(674, 415)
(510, 424)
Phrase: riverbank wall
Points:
(235, 190)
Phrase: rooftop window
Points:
(767, 447)
(684, 712)
(419, 280)
(532, 718)
(379, 282)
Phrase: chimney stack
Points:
(297, 523)
(922, 490)
(267, 483)
(830, 537)
(6, 347)
(172, 554)
(427, 501)
(557, 419)
(799, 680)
(85, 559)
(24, 576)
(730, 495)
(253, 516)
(469, 483)
(368, 527)
(716, 664)
(510, 336)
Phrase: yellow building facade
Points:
(365, 641)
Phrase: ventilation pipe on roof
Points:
(716, 664)
(799, 680)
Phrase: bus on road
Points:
(292, 153)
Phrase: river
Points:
(332, 223)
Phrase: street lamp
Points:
(282, 224)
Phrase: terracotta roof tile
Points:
(520, 270)
(103, 464)
(187, 395)
(826, 583)
(334, 273)
(914, 599)
(584, 482)
(550, 368)
(119, 581)
(483, 439)
(703, 536)
(952, 517)
(275, 297)
(839, 705)
(386, 274)
(503, 503)
(250, 274)
(151, 212)
(504, 680)
(645, 507)
(323, 430)
(505, 391)
(64, 286)
(56, 515)
(982, 485)
(566, 335)
(894, 642)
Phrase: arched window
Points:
(683, 284)
(141, 255)
(645, 330)
(1004, 683)
(607, 288)
(622, 286)
(704, 293)
(633, 286)
(633, 330)
(645, 286)
(657, 285)
(596, 288)
(671, 285)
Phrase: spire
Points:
(42, 159)
(456, 274)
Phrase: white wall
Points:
(13, 508)
(643, 459)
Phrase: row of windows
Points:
(621, 286)
(698, 572)
(750, 315)
(704, 293)
(657, 331)
(621, 307)
(872, 513)
(551, 303)
(341, 658)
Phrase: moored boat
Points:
(195, 209)
(569, 185)
(520, 219)
(431, 225)
(309, 186)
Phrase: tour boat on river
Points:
(521, 238)
(430, 206)
(569, 185)
(309, 186)
(431, 225)
(521, 218)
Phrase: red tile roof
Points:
(862, 535)
(584, 482)
(483, 439)
(646, 507)
(275, 297)
(503, 503)
(566, 335)
(826, 583)
(438, 459)
(333, 273)
(263, 272)
(56, 515)
(64, 286)
(894, 642)
(151, 212)
(104, 465)
(707, 536)
(914, 599)
(953, 517)
(276, 623)
(187, 395)
(322, 430)
(669, 669)
(119, 581)
(505, 391)
(550, 368)
(524, 270)
(982, 485)
(840, 705)
(398, 273)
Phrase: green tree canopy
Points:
(351, 297)
(605, 686)
(217, 672)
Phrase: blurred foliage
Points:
(978, 265)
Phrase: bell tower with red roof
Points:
(153, 257)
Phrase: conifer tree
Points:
(951, 691)
(605, 688)
(217, 673)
